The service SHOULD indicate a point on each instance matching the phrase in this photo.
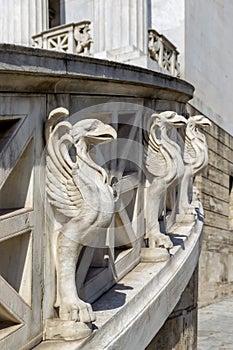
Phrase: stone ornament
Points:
(83, 37)
(70, 38)
(164, 169)
(163, 52)
(170, 168)
(77, 189)
(83, 201)
(195, 160)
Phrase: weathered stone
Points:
(48, 79)
(68, 330)
(181, 324)
(154, 255)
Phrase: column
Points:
(21, 19)
(120, 27)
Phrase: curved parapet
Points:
(130, 314)
(131, 288)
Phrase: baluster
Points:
(161, 51)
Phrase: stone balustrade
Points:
(162, 51)
(71, 38)
(133, 270)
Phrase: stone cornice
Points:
(43, 71)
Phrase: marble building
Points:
(201, 31)
(101, 225)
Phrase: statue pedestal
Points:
(66, 330)
(154, 255)
(186, 218)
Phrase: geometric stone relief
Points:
(21, 197)
(8, 322)
(21, 221)
(16, 264)
(7, 128)
(127, 230)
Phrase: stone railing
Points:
(132, 228)
(162, 51)
(72, 38)
(104, 202)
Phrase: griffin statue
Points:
(78, 191)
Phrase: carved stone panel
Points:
(21, 221)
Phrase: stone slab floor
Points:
(215, 326)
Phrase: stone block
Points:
(216, 220)
(217, 161)
(179, 331)
(154, 255)
(68, 330)
(215, 190)
(217, 176)
(215, 205)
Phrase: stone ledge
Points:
(50, 67)
(142, 297)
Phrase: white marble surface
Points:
(168, 18)
(21, 19)
(208, 58)
(142, 297)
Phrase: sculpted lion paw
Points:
(160, 240)
(76, 310)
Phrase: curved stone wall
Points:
(33, 83)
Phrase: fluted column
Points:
(21, 19)
(120, 24)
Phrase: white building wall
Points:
(209, 55)
(116, 24)
(77, 11)
(167, 17)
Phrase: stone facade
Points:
(209, 75)
(80, 83)
(181, 324)
(199, 29)
(21, 19)
(126, 288)
(215, 186)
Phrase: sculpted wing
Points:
(61, 189)
(155, 162)
(190, 153)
